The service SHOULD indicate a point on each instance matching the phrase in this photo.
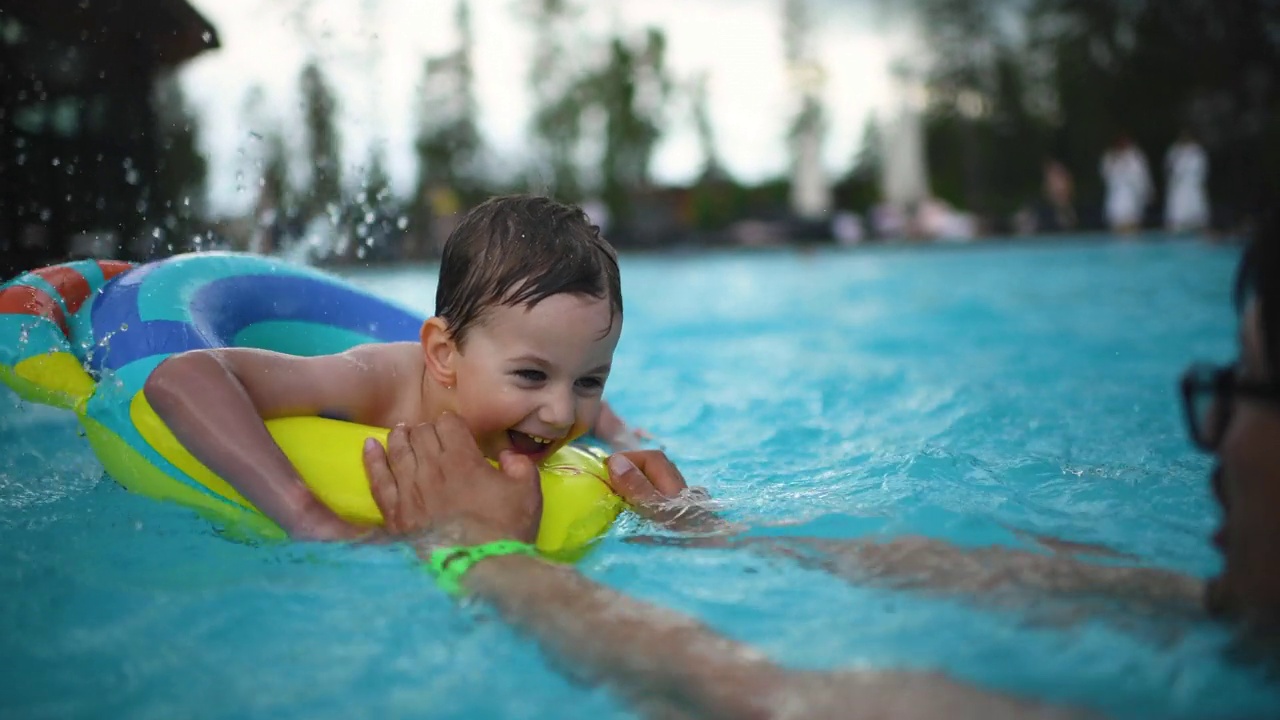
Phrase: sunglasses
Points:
(1208, 399)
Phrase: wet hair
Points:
(520, 250)
(1259, 277)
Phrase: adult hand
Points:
(433, 477)
(654, 487)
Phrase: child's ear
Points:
(439, 351)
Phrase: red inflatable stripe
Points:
(112, 268)
(69, 283)
(25, 300)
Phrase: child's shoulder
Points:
(386, 355)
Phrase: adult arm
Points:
(654, 486)
(216, 401)
(434, 477)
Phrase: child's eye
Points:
(530, 375)
(591, 383)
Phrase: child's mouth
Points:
(526, 444)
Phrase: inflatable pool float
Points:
(86, 335)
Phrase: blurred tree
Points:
(1015, 81)
(810, 192)
(375, 186)
(712, 198)
(273, 181)
(631, 90)
(178, 199)
(712, 167)
(319, 106)
(448, 144)
(984, 144)
(375, 217)
(1153, 68)
(859, 190)
(556, 87)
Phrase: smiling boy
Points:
(528, 315)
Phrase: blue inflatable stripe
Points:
(219, 310)
(224, 307)
(123, 343)
(295, 338)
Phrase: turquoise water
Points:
(952, 392)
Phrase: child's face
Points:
(526, 376)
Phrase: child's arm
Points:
(611, 429)
(215, 402)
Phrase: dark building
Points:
(78, 140)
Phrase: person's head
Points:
(1234, 412)
(528, 314)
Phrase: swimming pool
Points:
(944, 391)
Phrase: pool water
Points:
(950, 392)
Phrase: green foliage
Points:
(324, 152)
(448, 144)
(558, 98)
(631, 90)
(178, 196)
(274, 180)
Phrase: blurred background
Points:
(341, 132)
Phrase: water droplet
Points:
(402, 222)
(368, 217)
(45, 214)
(206, 36)
(131, 176)
(155, 232)
(56, 162)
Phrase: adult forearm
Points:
(212, 415)
(641, 650)
(926, 563)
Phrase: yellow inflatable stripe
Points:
(56, 379)
(136, 473)
(578, 505)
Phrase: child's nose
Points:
(557, 409)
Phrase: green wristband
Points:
(447, 565)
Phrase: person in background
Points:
(1128, 181)
(1059, 193)
(1186, 207)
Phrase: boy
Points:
(528, 314)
